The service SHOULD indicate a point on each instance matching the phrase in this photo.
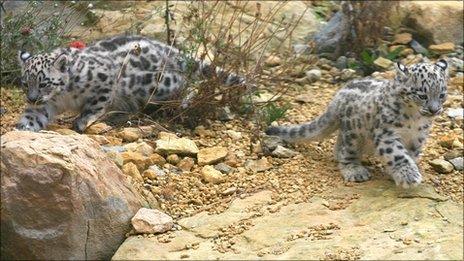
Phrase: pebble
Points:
(149, 174)
(235, 135)
(347, 74)
(403, 38)
(131, 170)
(135, 157)
(173, 159)
(417, 47)
(304, 98)
(269, 143)
(282, 152)
(2, 111)
(211, 155)
(186, 164)
(273, 61)
(258, 165)
(458, 163)
(156, 159)
(140, 147)
(229, 191)
(130, 134)
(157, 170)
(342, 62)
(151, 221)
(383, 63)
(225, 114)
(441, 166)
(211, 175)
(442, 48)
(313, 75)
(224, 168)
(117, 149)
(300, 48)
(455, 113)
(116, 158)
(181, 146)
(97, 128)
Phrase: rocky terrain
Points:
(216, 191)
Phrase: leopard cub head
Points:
(43, 75)
(424, 85)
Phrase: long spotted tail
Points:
(317, 129)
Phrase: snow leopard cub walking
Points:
(390, 119)
(119, 74)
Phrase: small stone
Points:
(458, 163)
(151, 221)
(393, 48)
(383, 63)
(186, 164)
(155, 159)
(140, 147)
(273, 61)
(116, 158)
(157, 170)
(225, 114)
(117, 149)
(102, 140)
(418, 48)
(300, 48)
(2, 111)
(313, 75)
(235, 135)
(203, 132)
(406, 52)
(452, 154)
(269, 143)
(181, 146)
(447, 141)
(137, 158)
(342, 62)
(211, 175)
(130, 134)
(66, 132)
(455, 113)
(229, 191)
(97, 128)
(211, 155)
(304, 98)
(224, 168)
(441, 166)
(166, 135)
(442, 48)
(173, 159)
(263, 97)
(282, 152)
(258, 165)
(130, 169)
(149, 174)
(403, 38)
(347, 74)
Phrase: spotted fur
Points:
(390, 119)
(120, 74)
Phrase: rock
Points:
(458, 163)
(423, 18)
(66, 132)
(272, 61)
(304, 98)
(116, 149)
(62, 198)
(2, 111)
(347, 74)
(97, 128)
(342, 62)
(263, 97)
(173, 159)
(313, 75)
(417, 47)
(156, 159)
(166, 136)
(135, 157)
(383, 63)
(186, 164)
(282, 152)
(456, 64)
(211, 175)
(393, 48)
(452, 154)
(258, 165)
(151, 221)
(311, 231)
(180, 146)
(203, 132)
(225, 114)
(441, 166)
(447, 141)
(116, 158)
(130, 169)
(300, 48)
(140, 147)
(149, 174)
(455, 113)
(442, 48)
(211, 155)
(235, 135)
(130, 134)
(102, 140)
(224, 168)
(157, 170)
(333, 35)
(229, 191)
(269, 143)
(406, 52)
(403, 38)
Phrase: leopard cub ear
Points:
(442, 64)
(401, 70)
(23, 56)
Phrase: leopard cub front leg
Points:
(400, 165)
(93, 109)
(35, 118)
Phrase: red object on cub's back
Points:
(77, 44)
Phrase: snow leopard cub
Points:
(119, 74)
(390, 119)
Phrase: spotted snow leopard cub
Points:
(390, 119)
(122, 73)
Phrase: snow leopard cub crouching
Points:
(390, 119)
(119, 74)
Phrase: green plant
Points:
(395, 54)
(272, 112)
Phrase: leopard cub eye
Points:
(423, 97)
(442, 95)
(42, 85)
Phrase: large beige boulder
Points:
(62, 198)
(438, 21)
